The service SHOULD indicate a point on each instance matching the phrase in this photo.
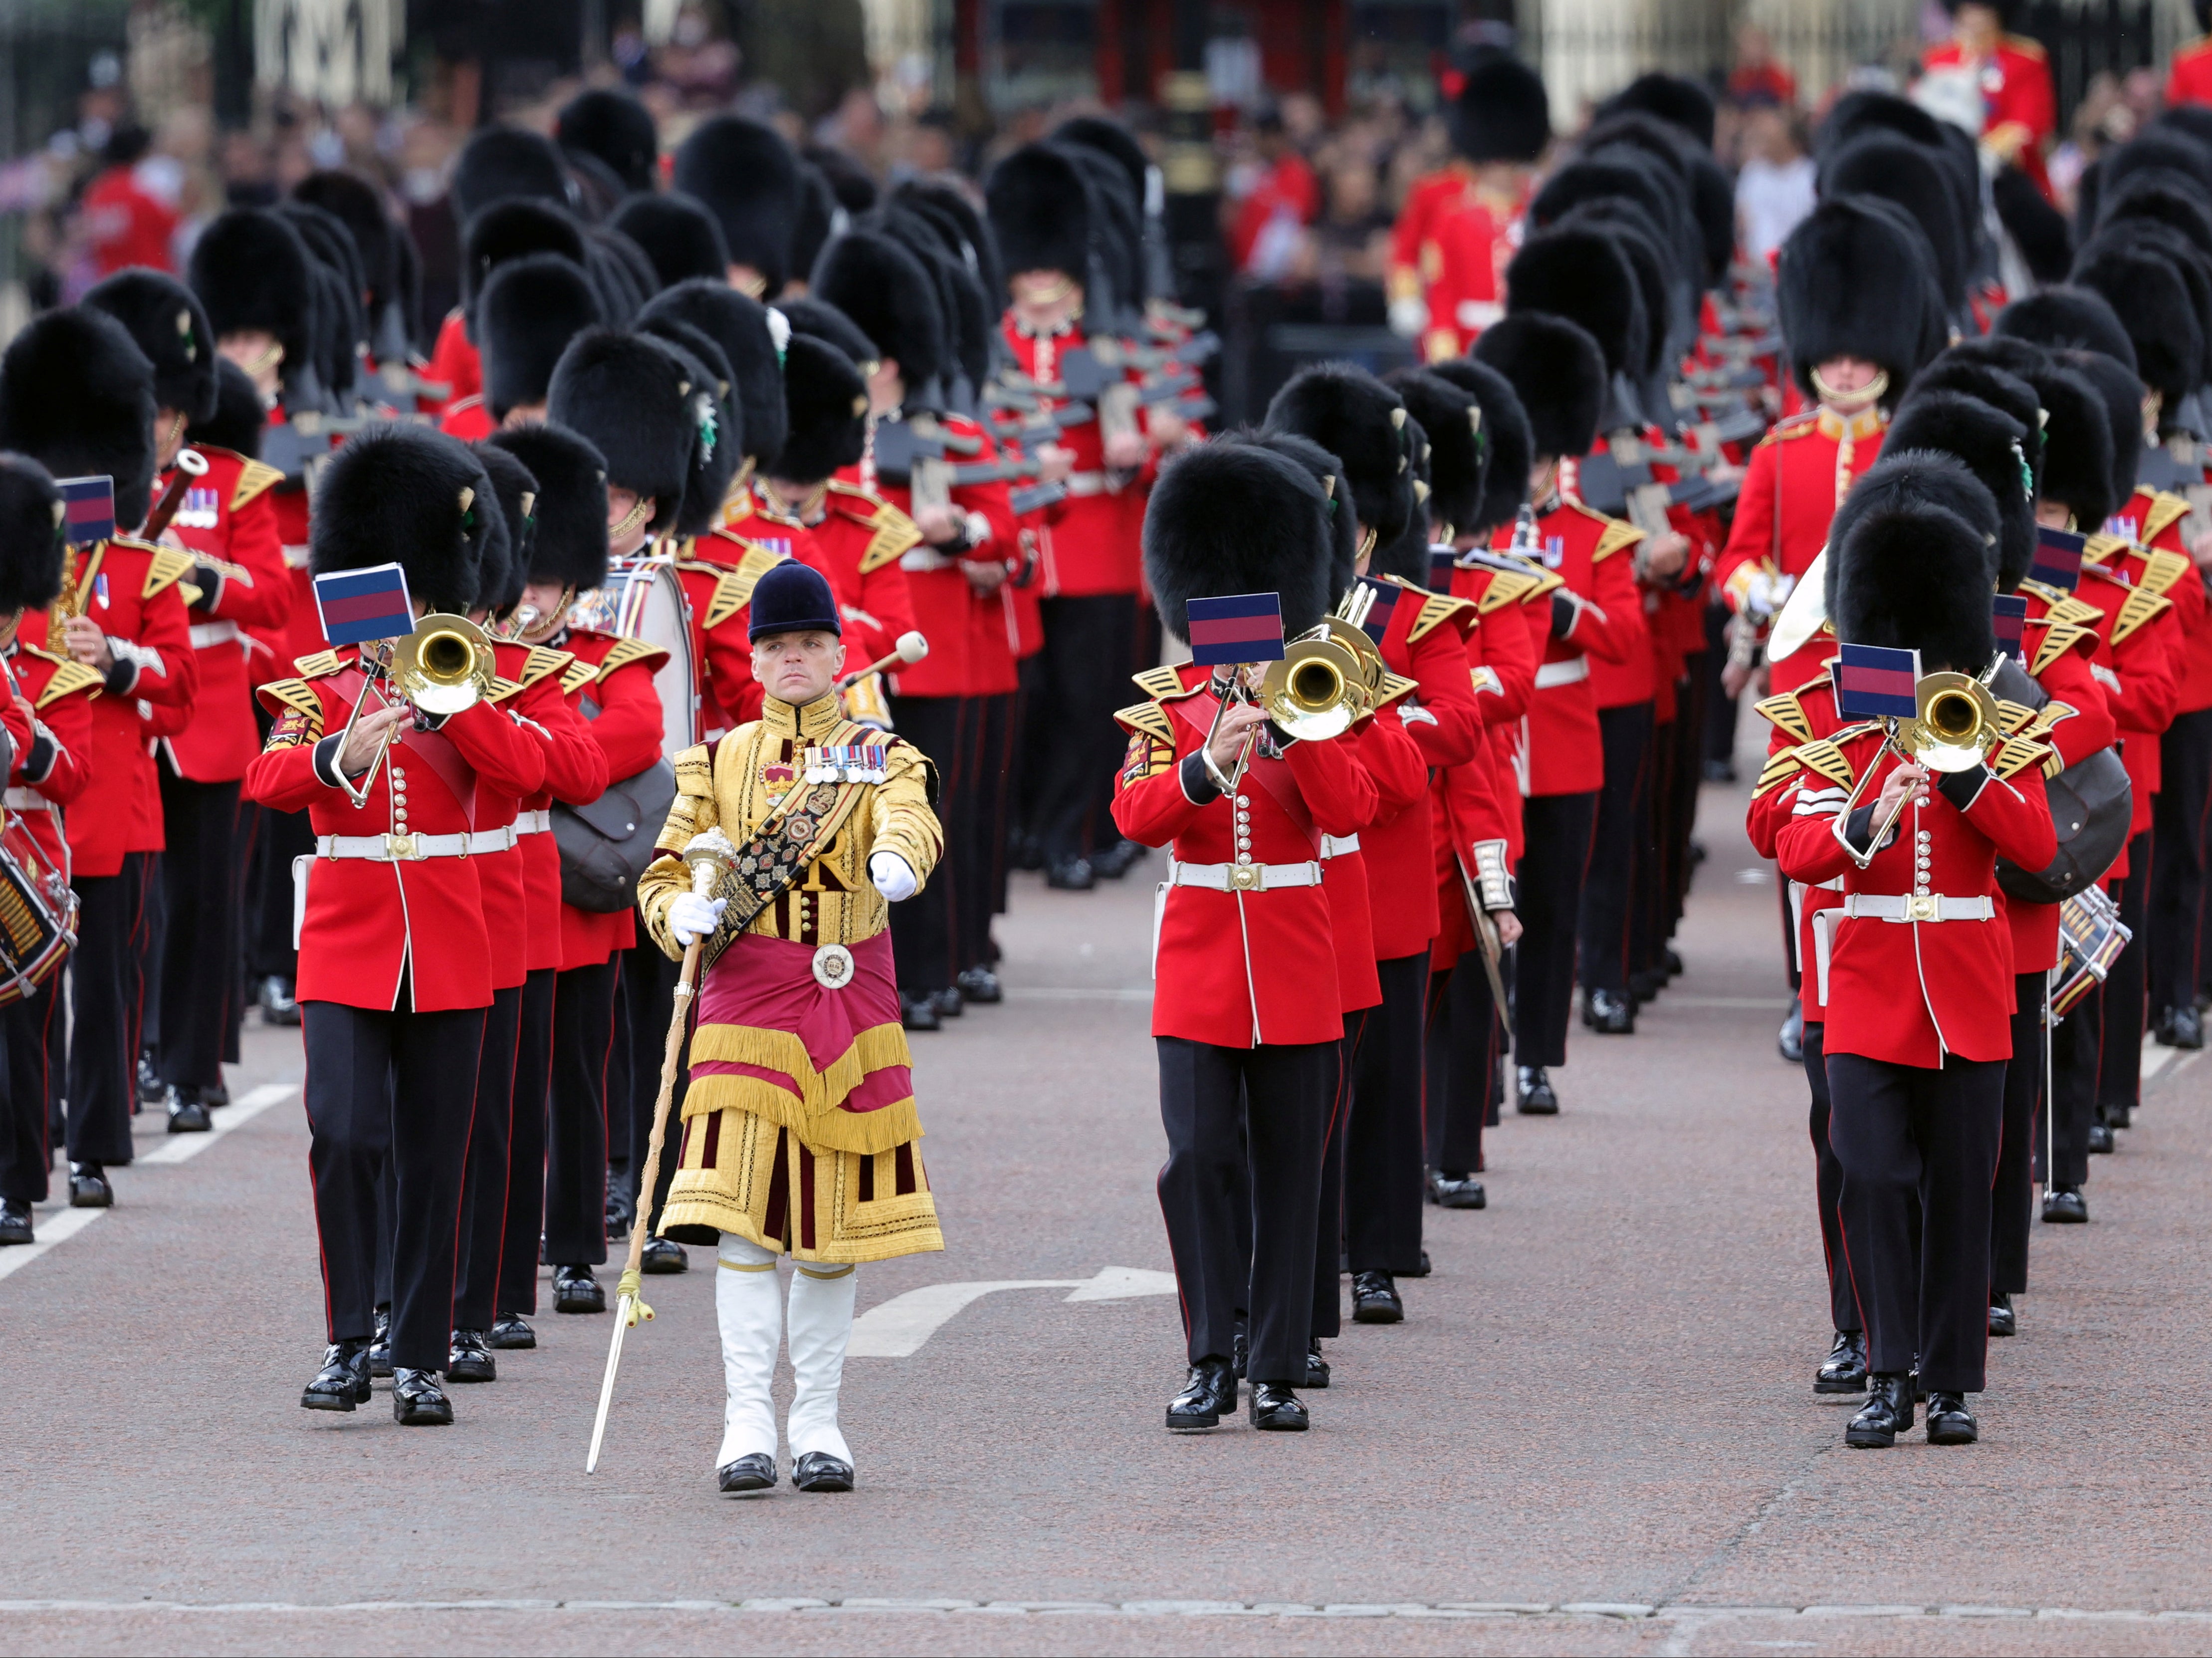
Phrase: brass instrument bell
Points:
(445, 665)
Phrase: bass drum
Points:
(643, 600)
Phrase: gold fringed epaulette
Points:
(293, 694)
(2058, 637)
(501, 690)
(1785, 713)
(1150, 718)
(895, 536)
(733, 589)
(254, 479)
(625, 651)
(2096, 548)
(544, 660)
(317, 664)
(1826, 758)
(1159, 683)
(2013, 718)
(2165, 508)
(69, 676)
(1619, 534)
(1781, 766)
(165, 570)
(2019, 753)
(1395, 686)
(1796, 426)
(580, 674)
(2140, 606)
(2075, 612)
(1506, 588)
(1437, 609)
(2161, 569)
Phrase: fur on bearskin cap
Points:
(252, 272)
(969, 317)
(2163, 241)
(1711, 196)
(974, 245)
(2120, 394)
(718, 445)
(746, 175)
(1342, 523)
(509, 230)
(1627, 227)
(2160, 193)
(826, 407)
(498, 163)
(1868, 111)
(1996, 378)
(529, 311)
(853, 185)
(631, 397)
(1450, 417)
(1406, 555)
(31, 537)
(1994, 447)
(240, 415)
(1040, 211)
(76, 395)
(1362, 423)
(1584, 275)
(1557, 371)
(169, 325)
(1507, 450)
(1117, 228)
(817, 319)
(2038, 229)
(568, 544)
(625, 258)
(1673, 98)
(679, 235)
(1110, 139)
(500, 572)
(2067, 317)
(1623, 172)
(2152, 302)
(356, 204)
(407, 495)
(1912, 577)
(2077, 444)
(1238, 517)
(616, 128)
(739, 327)
(890, 297)
(1502, 113)
(1880, 163)
(820, 218)
(1853, 281)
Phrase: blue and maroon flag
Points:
(2009, 616)
(1381, 607)
(88, 508)
(2057, 559)
(359, 605)
(1242, 628)
(1874, 682)
(1442, 561)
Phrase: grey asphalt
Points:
(1595, 1431)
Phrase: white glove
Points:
(1409, 317)
(691, 918)
(893, 875)
(1759, 595)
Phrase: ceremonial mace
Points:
(709, 855)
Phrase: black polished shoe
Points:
(417, 1400)
(1316, 1366)
(2064, 1206)
(1071, 875)
(1206, 1397)
(1239, 1346)
(916, 1014)
(1112, 863)
(662, 1256)
(621, 1209)
(1533, 1095)
(756, 1472)
(1609, 1012)
(469, 1359)
(380, 1345)
(15, 1222)
(576, 1291)
(1673, 961)
(215, 1095)
(88, 1186)
(2003, 1322)
(278, 1005)
(1422, 1271)
(947, 1002)
(1887, 1413)
(2100, 1137)
(1273, 1406)
(1789, 1041)
(343, 1382)
(1374, 1299)
(152, 1090)
(1950, 1421)
(818, 1471)
(981, 985)
(186, 1115)
(510, 1332)
(2180, 1027)
(1845, 1369)
(1448, 1190)
(2118, 1115)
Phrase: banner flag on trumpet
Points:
(1874, 682)
(1242, 628)
(361, 606)
(1376, 609)
(88, 508)
(2057, 559)
(2008, 619)
(1443, 561)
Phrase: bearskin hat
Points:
(849, 182)
(2167, 146)
(1997, 377)
(740, 327)
(529, 311)
(508, 230)
(2153, 304)
(507, 554)
(1117, 232)
(746, 175)
(611, 280)
(1450, 417)
(1584, 275)
(967, 316)
(167, 323)
(1501, 112)
(76, 395)
(1622, 173)
(1711, 196)
(1880, 163)
(616, 128)
(33, 540)
(569, 541)
(2038, 229)
(1110, 139)
(1672, 98)
(680, 236)
(1557, 371)
(1868, 111)
(974, 246)
(1238, 517)
(2121, 396)
(252, 272)
(1342, 523)
(240, 415)
(2067, 317)
(826, 407)
(631, 395)
(892, 299)
(1911, 575)
(409, 496)
(2165, 196)
(2077, 444)
(718, 446)
(1362, 423)
(1041, 211)
(1993, 445)
(2162, 242)
(819, 218)
(623, 259)
(498, 163)
(817, 319)
(1853, 281)
(358, 205)
(1508, 453)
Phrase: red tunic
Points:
(228, 521)
(575, 771)
(2190, 80)
(862, 537)
(467, 418)
(1798, 475)
(611, 691)
(2020, 104)
(1090, 542)
(49, 716)
(453, 363)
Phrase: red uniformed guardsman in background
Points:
(2012, 73)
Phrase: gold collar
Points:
(1858, 428)
(813, 721)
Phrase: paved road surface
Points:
(1595, 1431)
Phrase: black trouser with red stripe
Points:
(31, 1027)
(104, 1007)
(484, 1190)
(1828, 1186)
(576, 1126)
(1556, 855)
(1088, 648)
(1620, 849)
(925, 928)
(1465, 1040)
(980, 849)
(2119, 1060)
(2182, 817)
(1382, 1142)
(1328, 1233)
(526, 1146)
(649, 986)
(397, 1089)
(2075, 1044)
(2012, 1199)
(196, 979)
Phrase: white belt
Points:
(1335, 846)
(533, 823)
(923, 559)
(205, 634)
(1086, 483)
(1244, 878)
(412, 848)
(26, 800)
(1572, 672)
(1891, 906)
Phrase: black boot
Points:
(278, 1005)
(1071, 875)
(1950, 1421)
(1844, 1370)
(1534, 1094)
(2002, 1321)
(343, 1382)
(1316, 1366)
(948, 1002)
(1455, 1189)
(15, 1222)
(756, 1472)
(186, 1114)
(1887, 1413)
(664, 1256)
(575, 1289)
(88, 1186)
(916, 1014)
(417, 1400)
(1273, 1405)
(380, 1345)
(1374, 1299)
(1609, 1012)
(510, 1332)
(2064, 1206)
(469, 1359)
(1206, 1397)
(981, 985)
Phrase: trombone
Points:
(442, 667)
(1954, 725)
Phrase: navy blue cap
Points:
(792, 597)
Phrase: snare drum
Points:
(2091, 937)
(642, 599)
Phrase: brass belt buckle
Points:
(1247, 878)
(1923, 907)
(404, 848)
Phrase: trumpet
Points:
(442, 667)
(1321, 685)
(1955, 727)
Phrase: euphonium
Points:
(445, 665)
(1318, 688)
